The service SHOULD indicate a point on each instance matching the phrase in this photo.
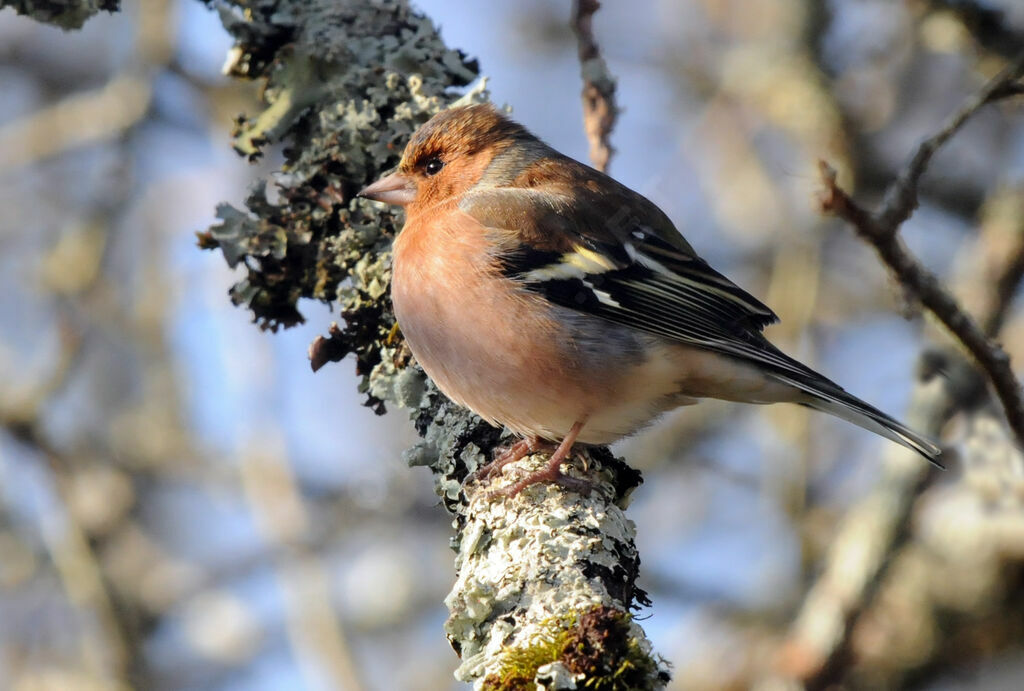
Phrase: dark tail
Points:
(829, 397)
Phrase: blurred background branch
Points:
(75, 121)
(881, 228)
(599, 109)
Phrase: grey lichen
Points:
(67, 14)
(521, 559)
(346, 83)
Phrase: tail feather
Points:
(823, 394)
(829, 397)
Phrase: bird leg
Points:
(510, 454)
(552, 472)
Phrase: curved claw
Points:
(552, 472)
(510, 454)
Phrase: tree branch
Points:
(881, 228)
(599, 108)
(901, 197)
(820, 648)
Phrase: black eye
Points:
(433, 166)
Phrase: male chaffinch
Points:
(546, 297)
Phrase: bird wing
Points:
(587, 243)
(606, 250)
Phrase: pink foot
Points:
(549, 473)
(510, 454)
(552, 472)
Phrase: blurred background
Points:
(184, 505)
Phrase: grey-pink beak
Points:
(391, 189)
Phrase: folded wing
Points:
(618, 257)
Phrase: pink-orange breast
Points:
(486, 343)
(516, 360)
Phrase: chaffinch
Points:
(546, 297)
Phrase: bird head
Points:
(447, 156)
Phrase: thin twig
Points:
(881, 230)
(599, 108)
(901, 197)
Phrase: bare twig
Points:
(819, 650)
(881, 229)
(599, 108)
(901, 197)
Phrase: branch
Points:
(316, 634)
(881, 228)
(77, 120)
(901, 197)
(73, 274)
(540, 574)
(820, 647)
(599, 108)
(546, 580)
(67, 14)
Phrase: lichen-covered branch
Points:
(546, 580)
(881, 230)
(67, 14)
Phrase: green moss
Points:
(598, 648)
(520, 665)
